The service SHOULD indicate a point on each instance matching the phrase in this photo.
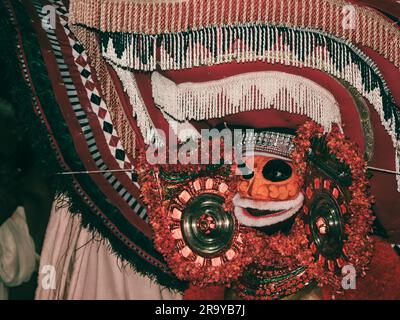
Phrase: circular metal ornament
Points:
(325, 214)
(326, 225)
(207, 229)
(206, 237)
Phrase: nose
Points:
(258, 189)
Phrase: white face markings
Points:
(270, 212)
(253, 208)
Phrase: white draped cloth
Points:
(78, 265)
(17, 253)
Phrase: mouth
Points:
(262, 213)
(259, 214)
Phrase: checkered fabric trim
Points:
(97, 104)
(154, 261)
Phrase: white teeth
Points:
(288, 209)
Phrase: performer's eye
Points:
(277, 170)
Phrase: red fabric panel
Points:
(382, 281)
(258, 119)
(383, 185)
(127, 107)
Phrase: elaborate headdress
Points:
(102, 76)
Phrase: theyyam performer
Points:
(211, 149)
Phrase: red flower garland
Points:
(358, 246)
(290, 250)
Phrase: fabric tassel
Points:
(144, 121)
(133, 51)
(245, 92)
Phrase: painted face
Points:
(269, 192)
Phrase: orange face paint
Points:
(260, 188)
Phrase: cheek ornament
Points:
(337, 208)
(195, 230)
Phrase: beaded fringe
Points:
(131, 51)
(143, 118)
(272, 44)
(246, 92)
(173, 16)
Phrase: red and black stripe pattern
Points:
(65, 97)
